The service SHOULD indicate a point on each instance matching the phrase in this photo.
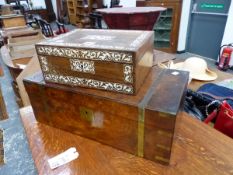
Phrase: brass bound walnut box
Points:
(112, 60)
(141, 124)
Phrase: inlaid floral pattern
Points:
(128, 73)
(82, 66)
(44, 63)
(99, 55)
(87, 67)
(76, 81)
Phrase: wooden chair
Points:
(45, 28)
(17, 2)
(61, 28)
(115, 3)
(96, 20)
(34, 23)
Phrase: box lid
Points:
(123, 40)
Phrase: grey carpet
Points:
(1, 148)
(3, 112)
(17, 155)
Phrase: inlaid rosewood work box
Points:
(113, 60)
(142, 124)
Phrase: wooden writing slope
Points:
(197, 149)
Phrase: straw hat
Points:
(197, 68)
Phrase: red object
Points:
(224, 119)
(58, 32)
(225, 57)
(133, 18)
(61, 28)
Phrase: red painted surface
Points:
(134, 18)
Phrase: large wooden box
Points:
(142, 125)
(9, 21)
(23, 45)
(113, 60)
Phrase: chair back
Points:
(61, 28)
(45, 28)
(115, 3)
(96, 20)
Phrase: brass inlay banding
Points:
(141, 118)
(161, 114)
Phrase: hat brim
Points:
(207, 76)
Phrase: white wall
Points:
(125, 3)
(128, 3)
(2, 2)
(228, 33)
(184, 20)
(54, 2)
(39, 4)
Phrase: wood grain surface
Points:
(14, 21)
(32, 67)
(197, 150)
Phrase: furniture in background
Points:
(100, 4)
(32, 67)
(41, 12)
(115, 3)
(32, 21)
(50, 12)
(131, 18)
(45, 13)
(79, 11)
(22, 45)
(45, 28)
(7, 9)
(82, 18)
(13, 20)
(62, 11)
(84, 8)
(18, 53)
(71, 6)
(17, 2)
(61, 28)
(96, 20)
(15, 67)
(7, 32)
(167, 27)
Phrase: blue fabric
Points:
(216, 92)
